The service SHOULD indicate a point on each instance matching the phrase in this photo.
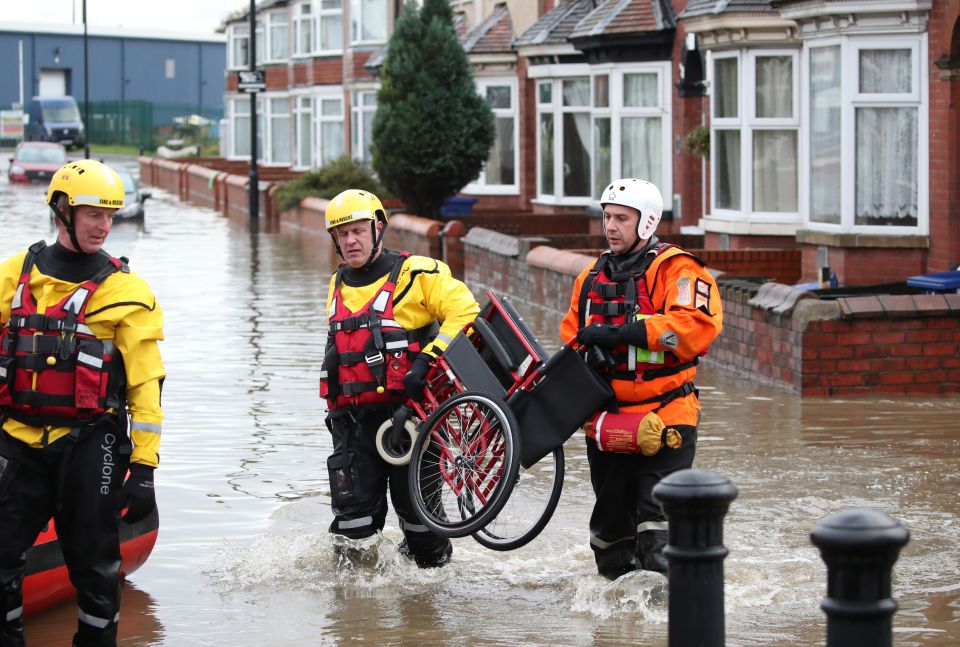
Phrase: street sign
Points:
(251, 81)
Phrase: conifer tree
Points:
(432, 132)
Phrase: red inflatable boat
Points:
(47, 583)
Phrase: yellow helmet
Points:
(353, 205)
(87, 182)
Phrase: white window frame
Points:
(298, 19)
(541, 109)
(357, 17)
(663, 109)
(243, 100)
(268, 117)
(480, 185)
(300, 110)
(274, 20)
(356, 123)
(329, 94)
(747, 123)
(850, 47)
(616, 111)
(235, 33)
(323, 14)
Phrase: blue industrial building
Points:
(169, 74)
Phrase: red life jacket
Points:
(78, 377)
(368, 351)
(626, 300)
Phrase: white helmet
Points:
(641, 195)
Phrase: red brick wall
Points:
(866, 266)
(944, 142)
(277, 77)
(525, 224)
(301, 73)
(528, 135)
(201, 186)
(757, 342)
(712, 240)
(327, 71)
(857, 345)
(780, 265)
(687, 114)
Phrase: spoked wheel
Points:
(464, 464)
(534, 498)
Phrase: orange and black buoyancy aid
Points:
(78, 377)
(621, 299)
(368, 352)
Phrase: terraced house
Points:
(826, 126)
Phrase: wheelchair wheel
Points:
(530, 507)
(464, 464)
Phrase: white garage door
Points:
(53, 83)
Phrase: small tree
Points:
(432, 132)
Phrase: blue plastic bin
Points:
(937, 283)
(457, 206)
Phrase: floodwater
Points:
(243, 556)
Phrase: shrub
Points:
(432, 132)
(327, 181)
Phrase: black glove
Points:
(602, 335)
(414, 381)
(399, 438)
(137, 493)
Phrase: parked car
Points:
(35, 161)
(55, 119)
(133, 198)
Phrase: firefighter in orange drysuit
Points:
(390, 314)
(649, 310)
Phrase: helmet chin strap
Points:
(68, 223)
(377, 238)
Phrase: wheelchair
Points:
(485, 444)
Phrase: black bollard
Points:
(859, 547)
(695, 502)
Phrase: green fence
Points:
(146, 125)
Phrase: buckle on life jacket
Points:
(373, 359)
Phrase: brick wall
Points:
(867, 265)
(781, 265)
(687, 114)
(854, 345)
(276, 77)
(327, 71)
(944, 115)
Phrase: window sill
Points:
(851, 239)
(490, 189)
(717, 225)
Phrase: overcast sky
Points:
(190, 16)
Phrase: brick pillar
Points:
(451, 240)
